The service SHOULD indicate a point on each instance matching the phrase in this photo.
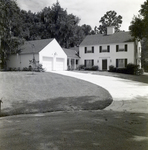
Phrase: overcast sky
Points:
(89, 11)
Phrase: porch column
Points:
(74, 64)
(70, 63)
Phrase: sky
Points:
(89, 11)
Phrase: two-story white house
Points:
(117, 49)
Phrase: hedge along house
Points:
(117, 49)
(72, 59)
(46, 52)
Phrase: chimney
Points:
(110, 30)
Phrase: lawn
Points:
(24, 92)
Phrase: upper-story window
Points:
(125, 49)
(91, 50)
(107, 49)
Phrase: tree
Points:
(139, 30)
(139, 24)
(9, 29)
(110, 19)
(87, 29)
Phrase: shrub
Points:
(139, 71)
(131, 68)
(95, 68)
(25, 69)
(39, 68)
(112, 68)
(81, 67)
(121, 70)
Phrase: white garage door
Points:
(47, 63)
(59, 63)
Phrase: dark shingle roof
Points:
(34, 46)
(119, 37)
(70, 53)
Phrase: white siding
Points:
(21, 61)
(110, 56)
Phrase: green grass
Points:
(24, 92)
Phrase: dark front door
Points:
(104, 64)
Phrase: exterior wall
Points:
(110, 56)
(21, 61)
(53, 50)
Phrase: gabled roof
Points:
(70, 53)
(34, 46)
(118, 37)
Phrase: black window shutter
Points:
(92, 62)
(85, 63)
(108, 48)
(92, 49)
(117, 48)
(100, 49)
(125, 62)
(85, 49)
(116, 63)
(126, 47)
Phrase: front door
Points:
(104, 64)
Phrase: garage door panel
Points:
(59, 63)
(47, 63)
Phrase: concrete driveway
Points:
(127, 95)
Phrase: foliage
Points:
(139, 24)
(110, 19)
(112, 68)
(144, 54)
(9, 29)
(130, 69)
(121, 70)
(93, 68)
(54, 22)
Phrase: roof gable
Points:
(118, 37)
(34, 46)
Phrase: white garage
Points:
(47, 52)
(52, 57)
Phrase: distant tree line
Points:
(53, 22)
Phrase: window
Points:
(89, 50)
(125, 47)
(121, 63)
(89, 63)
(117, 48)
